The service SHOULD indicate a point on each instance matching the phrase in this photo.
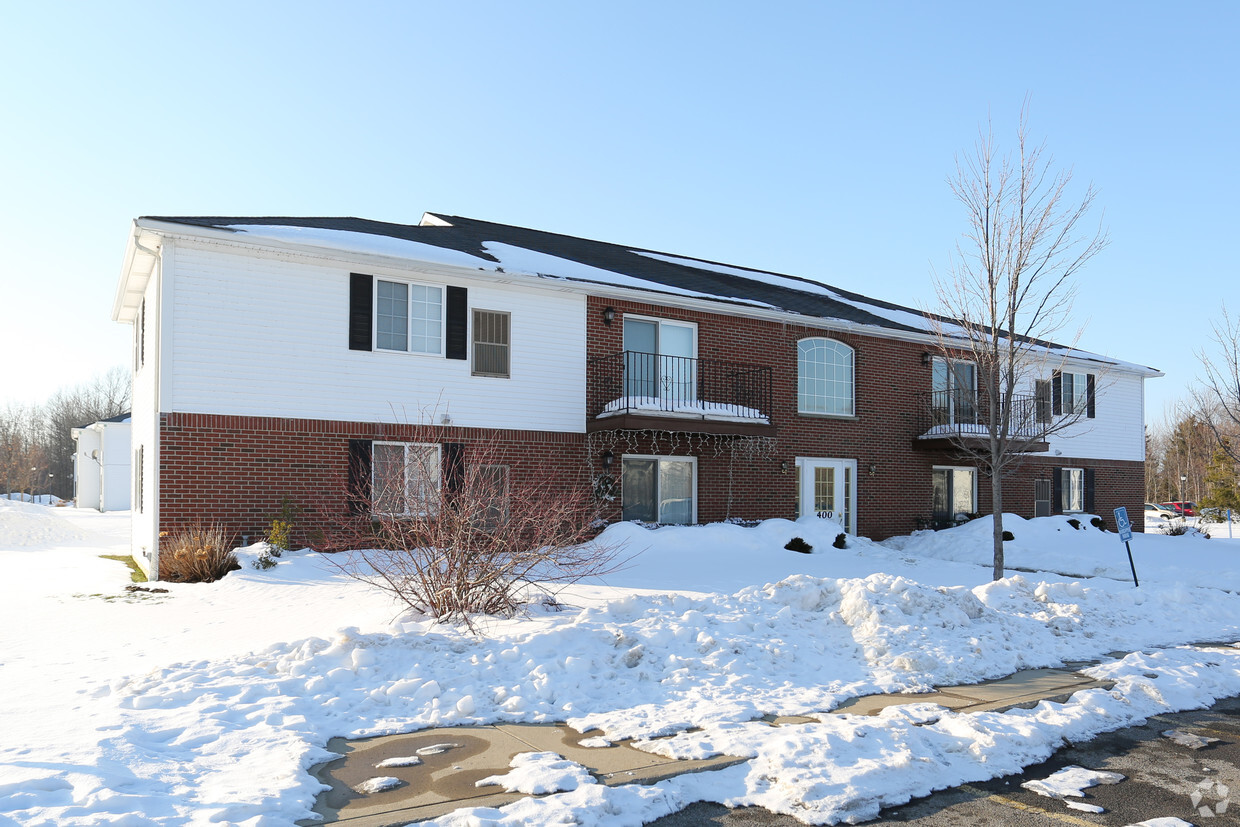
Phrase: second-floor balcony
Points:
(634, 390)
(964, 416)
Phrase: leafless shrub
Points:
(196, 554)
(457, 533)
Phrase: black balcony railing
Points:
(630, 382)
(958, 413)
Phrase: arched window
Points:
(824, 377)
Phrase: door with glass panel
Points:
(658, 489)
(954, 386)
(659, 361)
(827, 489)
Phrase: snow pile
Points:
(538, 773)
(29, 524)
(211, 702)
(1071, 781)
(1053, 544)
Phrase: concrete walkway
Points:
(452, 759)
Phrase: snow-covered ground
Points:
(207, 704)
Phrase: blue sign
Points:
(1122, 525)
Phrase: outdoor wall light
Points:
(783, 467)
(873, 469)
(608, 458)
(925, 358)
(609, 315)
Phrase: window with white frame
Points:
(491, 343)
(409, 317)
(1071, 489)
(955, 492)
(825, 377)
(953, 386)
(1074, 392)
(659, 489)
(405, 478)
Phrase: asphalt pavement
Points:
(1162, 778)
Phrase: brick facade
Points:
(894, 475)
(236, 470)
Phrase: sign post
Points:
(1125, 535)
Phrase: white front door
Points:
(828, 489)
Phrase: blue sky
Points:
(807, 138)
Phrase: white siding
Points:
(263, 335)
(1117, 430)
(145, 426)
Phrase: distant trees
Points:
(36, 446)
(1008, 290)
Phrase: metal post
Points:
(1131, 565)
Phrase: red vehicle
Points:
(1184, 509)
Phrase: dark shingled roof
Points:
(466, 235)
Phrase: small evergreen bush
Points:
(799, 544)
(841, 540)
(1098, 523)
(280, 536)
(1075, 523)
(1007, 535)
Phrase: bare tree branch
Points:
(1008, 290)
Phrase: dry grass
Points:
(196, 554)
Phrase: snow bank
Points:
(208, 704)
(30, 524)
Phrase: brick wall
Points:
(236, 469)
(894, 477)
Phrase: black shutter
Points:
(1089, 489)
(359, 493)
(1042, 401)
(453, 467)
(361, 310)
(1056, 393)
(1056, 490)
(458, 324)
(1089, 396)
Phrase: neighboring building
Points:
(268, 351)
(101, 464)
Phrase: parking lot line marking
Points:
(1028, 808)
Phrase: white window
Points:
(1071, 487)
(659, 489)
(405, 478)
(409, 317)
(1075, 392)
(955, 492)
(491, 343)
(825, 380)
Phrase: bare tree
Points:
(105, 396)
(452, 531)
(1217, 396)
(21, 454)
(1009, 288)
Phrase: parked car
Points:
(1182, 509)
(1159, 511)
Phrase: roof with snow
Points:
(460, 241)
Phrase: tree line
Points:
(1194, 453)
(36, 441)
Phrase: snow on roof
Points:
(500, 248)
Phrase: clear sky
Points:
(807, 138)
